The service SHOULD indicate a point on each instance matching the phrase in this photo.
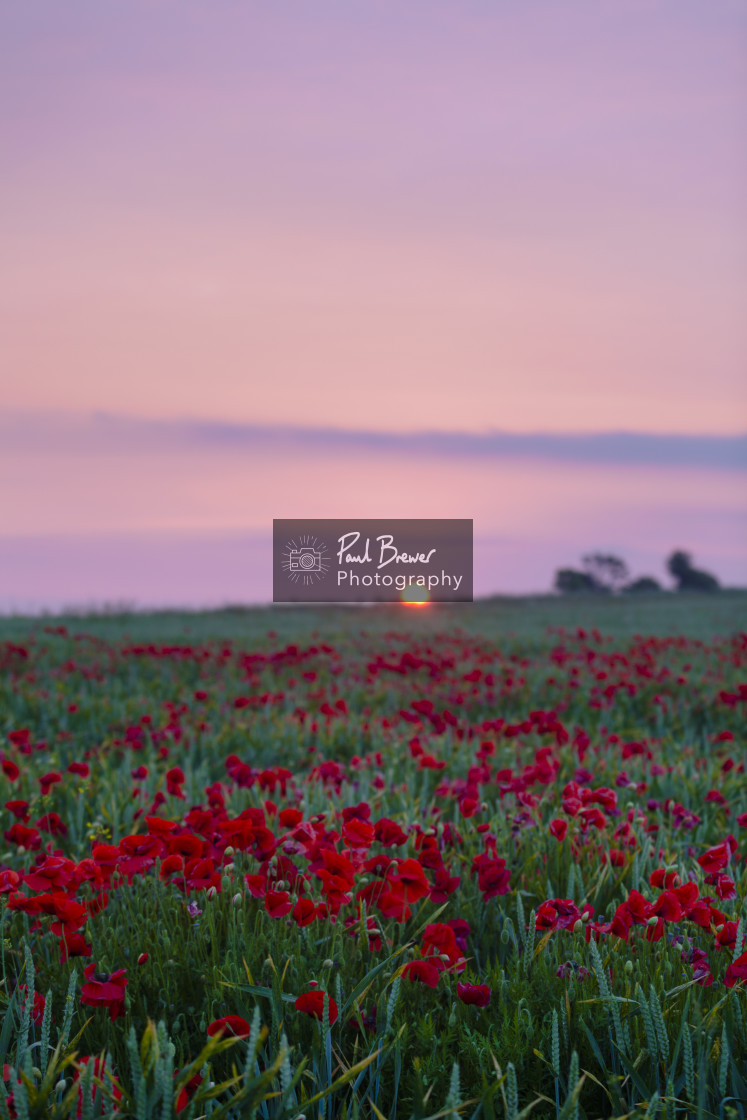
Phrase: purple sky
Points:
(332, 225)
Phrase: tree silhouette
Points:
(689, 578)
(570, 580)
(643, 584)
(608, 573)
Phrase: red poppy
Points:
(439, 940)
(105, 990)
(37, 1013)
(312, 1003)
(19, 809)
(10, 769)
(46, 781)
(304, 912)
(102, 1073)
(662, 878)
(736, 971)
(389, 833)
(230, 1025)
(423, 970)
(493, 877)
(559, 913)
(726, 938)
(174, 781)
(408, 881)
(74, 945)
(558, 828)
(188, 1092)
(717, 858)
(9, 880)
(475, 994)
(668, 907)
(289, 818)
(278, 903)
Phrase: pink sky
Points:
(382, 217)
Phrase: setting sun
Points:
(416, 597)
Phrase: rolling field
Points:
(483, 860)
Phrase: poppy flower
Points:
(558, 828)
(278, 903)
(230, 1025)
(74, 945)
(174, 781)
(304, 912)
(188, 1092)
(312, 1003)
(717, 858)
(736, 971)
(661, 878)
(289, 818)
(668, 907)
(389, 834)
(726, 938)
(46, 781)
(408, 881)
(439, 940)
(10, 769)
(478, 995)
(37, 1013)
(558, 913)
(105, 990)
(493, 877)
(358, 833)
(9, 880)
(19, 809)
(423, 970)
(102, 1073)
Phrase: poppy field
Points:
(372, 867)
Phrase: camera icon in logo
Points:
(305, 559)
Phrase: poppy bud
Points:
(36, 1071)
(328, 964)
(229, 850)
(142, 958)
(578, 925)
(628, 967)
(61, 1086)
(652, 921)
(237, 899)
(212, 892)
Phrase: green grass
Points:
(524, 617)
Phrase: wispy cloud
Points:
(99, 433)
